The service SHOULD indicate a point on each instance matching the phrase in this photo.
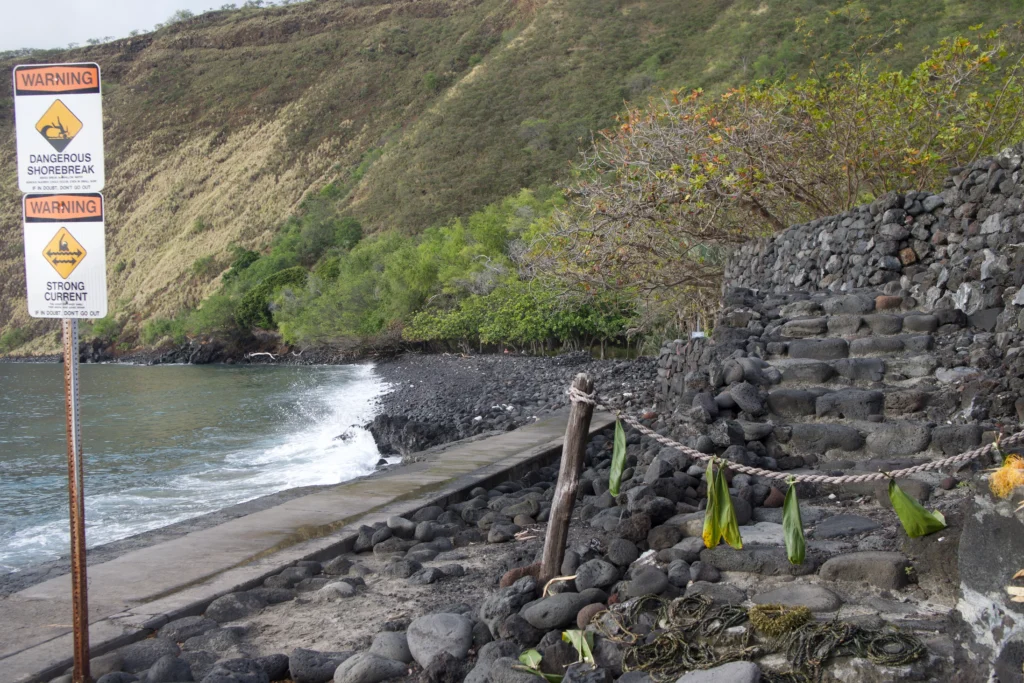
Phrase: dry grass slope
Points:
(218, 126)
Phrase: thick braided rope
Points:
(577, 396)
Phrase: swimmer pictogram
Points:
(64, 253)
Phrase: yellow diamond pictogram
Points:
(64, 253)
(59, 126)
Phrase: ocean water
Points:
(166, 443)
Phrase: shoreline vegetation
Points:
(603, 251)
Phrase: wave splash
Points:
(317, 440)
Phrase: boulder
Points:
(502, 603)
(555, 611)
(898, 438)
(883, 569)
(720, 593)
(850, 404)
(596, 574)
(621, 553)
(792, 402)
(807, 371)
(506, 670)
(145, 653)
(169, 669)
(234, 606)
(733, 672)
(367, 667)
(430, 635)
(311, 666)
(649, 581)
(819, 349)
(237, 671)
(862, 369)
(392, 645)
(182, 629)
(843, 525)
(765, 561)
(814, 598)
(276, 666)
(747, 398)
(819, 438)
(402, 527)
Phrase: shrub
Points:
(660, 199)
(254, 308)
(13, 338)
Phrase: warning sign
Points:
(59, 126)
(59, 122)
(65, 256)
(64, 253)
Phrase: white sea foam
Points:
(303, 449)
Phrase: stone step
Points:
(835, 348)
(862, 372)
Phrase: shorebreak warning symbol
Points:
(64, 253)
(59, 126)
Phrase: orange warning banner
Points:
(57, 79)
(63, 208)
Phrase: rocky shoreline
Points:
(438, 398)
(449, 593)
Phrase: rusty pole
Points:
(76, 508)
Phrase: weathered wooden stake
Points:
(573, 450)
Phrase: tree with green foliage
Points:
(254, 308)
(658, 201)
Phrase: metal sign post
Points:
(59, 124)
(76, 505)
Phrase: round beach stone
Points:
(432, 634)
(169, 669)
(145, 653)
(234, 606)
(555, 611)
(182, 629)
(596, 574)
(367, 667)
(648, 581)
(401, 527)
(622, 553)
(237, 671)
(311, 666)
(276, 666)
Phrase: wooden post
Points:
(573, 450)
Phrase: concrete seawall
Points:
(136, 593)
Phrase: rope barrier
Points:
(577, 396)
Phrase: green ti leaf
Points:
(531, 658)
(793, 527)
(618, 460)
(727, 513)
(720, 516)
(712, 531)
(583, 641)
(915, 519)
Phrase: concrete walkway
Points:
(143, 589)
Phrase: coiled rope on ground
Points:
(577, 396)
(689, 634)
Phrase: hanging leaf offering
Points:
(793, 527)
(618, 460)
(720, 516)
(712, 530)
(915, 519)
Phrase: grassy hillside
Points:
(413, 112)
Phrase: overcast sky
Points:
(55, 23)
